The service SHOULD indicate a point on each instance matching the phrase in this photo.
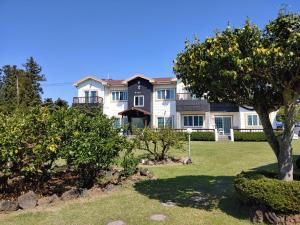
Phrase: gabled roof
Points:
(89, 78)
(136, 76)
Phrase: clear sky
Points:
(71, 39)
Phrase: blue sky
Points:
(71, 39)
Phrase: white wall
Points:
(90, 85)
(112, 108)
(163, 108)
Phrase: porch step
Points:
(224, 137)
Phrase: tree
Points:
(280, 114)
(20, 88)
(253, 68)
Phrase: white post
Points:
(216, 135)
(231, 135)
(189, 131)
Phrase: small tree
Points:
(254, 69)
(158, 143)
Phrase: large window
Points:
(119, 95)
(166, 94)
(117, 123)
(193, 121)
(253, 120)
(163, 122)
(139, 100)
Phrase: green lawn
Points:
(209, 179)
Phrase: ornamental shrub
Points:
(251, 136)
(259, 190)
(129, 164)
(202, 136)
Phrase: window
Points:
(119, 95)
(164, 122)
(253, 120)
(139, 101)
(117, 123)
(193, 121)
(165, 94)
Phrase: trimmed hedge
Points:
(200, 136)
(257, 189)
(250, 136)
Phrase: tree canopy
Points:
(253, 68)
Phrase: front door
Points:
(223, 122)
(137, 122)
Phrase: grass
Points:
(209, 179)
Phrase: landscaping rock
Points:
(150, 163)
(28, 200)
(258, 216)
(6, 206)
(145, 172)
(169, 203)
(48, 200)
(71, 194)
(117, 222)
(158, 217)
(185, 160)
(108, 188)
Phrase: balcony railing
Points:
(186, 96)
(87, 100)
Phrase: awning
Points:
(134, 111)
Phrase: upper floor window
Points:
(253, 120)
(166, 94)
(163, 122)
(119, 95)
(193, 121)
(139, 101)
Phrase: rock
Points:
(158, 217)
(28, 200)
(185, 160)
(169, 203)
(145, 172)
(108, 177)
(71, 194)
(48, 200)
(108, 188)
(150, 163)
(297, 218)
(258, 216)
(6, 206)
(117, 222)
(271, 218)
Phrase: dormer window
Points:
(139, 101)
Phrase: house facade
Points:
(159, 102)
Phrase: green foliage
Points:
(274, 194)
(158, 142)
(203, 136)
(251, 136)
(280, 114)
(20, 88)
(54, 105)
(129, 164)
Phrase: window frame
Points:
(164, 95)
(193, 120)
(138, 96)
(252, 120)
(119, 95)
(165, 118)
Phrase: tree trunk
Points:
(281, 145)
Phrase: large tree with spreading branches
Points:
(253, 68)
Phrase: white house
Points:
(157, 102)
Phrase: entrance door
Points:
(223, 122)
(137, 122)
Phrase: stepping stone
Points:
(116, 222)
(168, 203)
(158, 217)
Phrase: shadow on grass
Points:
(201, 192)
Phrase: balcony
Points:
(188, 102)
(91, 101)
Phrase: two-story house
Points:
(159, 102)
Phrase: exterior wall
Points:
(110, 107)
(235, 121)
(180, 119)
(90, 85)
(163, 108)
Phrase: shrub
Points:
(129, 164)
(202, 136)
(251, 136)
(277, 195)
(158, 142)
(92, 144)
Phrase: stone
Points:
(48, 200)
(28, 200)
(108, 188)
(116, 222)
(271, 218)
(158, 217)
(168, 203)
(150, 163)
(258, 216)
(6, 206)
(185, 160)
(71, 194)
